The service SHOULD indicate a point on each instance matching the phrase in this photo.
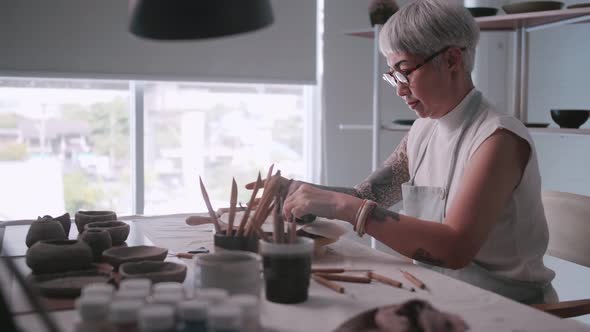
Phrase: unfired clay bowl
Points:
(98, 239)
(56, 256)
(84, 217)
(118, 230)
(120, 255)
(155, 271)
(44, 229)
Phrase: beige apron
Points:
(429, 203)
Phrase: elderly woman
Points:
(467, 175)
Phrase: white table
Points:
(325, 309)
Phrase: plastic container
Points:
(98, 289)
(193, 316)
(123, 315)
(287, 269)
(93, 311)
(224, 318)
(157, 318)
(250, 310)
(139, 283)
(213, 296)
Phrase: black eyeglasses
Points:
(397, 76)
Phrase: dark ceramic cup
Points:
(55, 256)
(64, 220)
(245, 243)
(85, 217)
(118, 230)
(44, 229)
(99, 240)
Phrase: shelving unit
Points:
(519, 24)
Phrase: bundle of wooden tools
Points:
(273, 196)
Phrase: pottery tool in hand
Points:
(209, 207)
(411, 278)
(327, 283)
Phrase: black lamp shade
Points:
(197, 19)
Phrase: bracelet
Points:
(356, 217)
(363, 215)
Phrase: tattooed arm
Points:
(384, 185)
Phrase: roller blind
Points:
(89, 38)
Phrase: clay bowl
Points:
(482, 11)
(98, 239)
(54, 256)
(155, 271)
(531, 6)
(85, 217)
(68, 284)
(118, 230)
(44, 229)
(570, 118)
(120, 255)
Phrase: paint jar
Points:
(93, 311)
(193, 316)
(238, 272)
(123, 315)
(213, 296)
(157, 318)
(139, 283)
(246, 243)
(250, 308)
(224, 318)
(287, 269)
(98, 289)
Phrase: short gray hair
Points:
(424, 27)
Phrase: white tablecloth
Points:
(325, 309)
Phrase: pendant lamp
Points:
(197, 19)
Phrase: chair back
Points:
(568, 218)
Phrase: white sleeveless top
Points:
(516, 245)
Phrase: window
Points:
(65, 144)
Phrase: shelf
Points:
(511, 22)
(561, 131)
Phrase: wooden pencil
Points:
(327, 283)
(413, 279)
(344, 277)
(384, 279)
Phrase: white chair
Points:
(568, 218)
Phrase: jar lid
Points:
(93, 307)
(193, 310)
(156, 317)
(168, 287)
(124, 311)
(225, 316)
(167, 298)
(132, 294)
(98, 289)
(139, 283)
(212, 295)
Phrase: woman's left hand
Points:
(308, 199)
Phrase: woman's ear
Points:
(454, 58)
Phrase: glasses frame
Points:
(396, 76)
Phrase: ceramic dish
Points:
(155, 271)
(570, 118)
(68, 284)
(532, 6)
(120, 255)
(404, 122)
(536, 125)
(119, 230)
(578, 5)
(482, 11)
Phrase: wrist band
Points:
(362, 216)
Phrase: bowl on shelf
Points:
(579, 5)
(570, 118)
(482, 11)
(531, 6)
